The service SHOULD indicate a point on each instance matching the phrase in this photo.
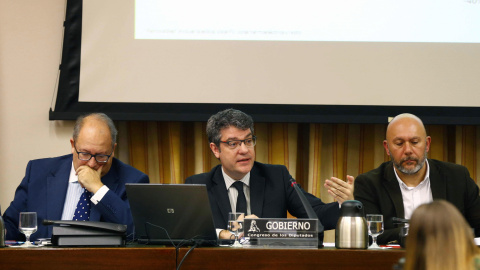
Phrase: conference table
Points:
(161, 257)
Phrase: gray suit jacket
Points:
(380, 193)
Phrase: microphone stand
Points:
(310, 213)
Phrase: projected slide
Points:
(281, 52)
(455, 21)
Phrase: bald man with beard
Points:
(397, 187)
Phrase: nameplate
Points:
(259, 228)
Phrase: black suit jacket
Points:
(380, 193)
(271, 195)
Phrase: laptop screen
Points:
(171, 214)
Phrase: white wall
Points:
(30, 49)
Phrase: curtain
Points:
(169, 152)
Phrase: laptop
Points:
(171, 214)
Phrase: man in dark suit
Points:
(265, 190)
(397, 187)
(52, 187)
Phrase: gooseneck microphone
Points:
(310, 213)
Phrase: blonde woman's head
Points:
(439, 238)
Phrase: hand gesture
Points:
(339, 189)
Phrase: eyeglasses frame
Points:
(91, 155)
(254, 138)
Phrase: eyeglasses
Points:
(249, 142)
(84, 156)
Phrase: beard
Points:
(420, 163)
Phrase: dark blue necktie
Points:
(241, 201)
(82, 212)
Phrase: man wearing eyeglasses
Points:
(240, 184)
(88, 184)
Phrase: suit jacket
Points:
(271, 195)
(44, 189)
(380, 193)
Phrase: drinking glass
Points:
(235, 226)
(375, 228)
(27, 225)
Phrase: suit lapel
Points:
(219, 190)
(438, 183)
(393, 190)
(57, 184)
(257, 192)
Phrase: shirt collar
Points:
(229, 181)
(73, 176)
(424, 181)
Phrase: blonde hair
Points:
(439, 238)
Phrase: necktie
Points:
(241, 201)
(82, 212)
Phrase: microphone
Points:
(310, 213)
(397, 220)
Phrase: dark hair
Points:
(99, 116)
(224, 119)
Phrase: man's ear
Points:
(385, 145)
(114, 147)
(215, 149)
(73, 145)
(428, 142)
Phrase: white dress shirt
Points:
(74, 191)
(233, 193)
(413, 197)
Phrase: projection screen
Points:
(301, 61)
